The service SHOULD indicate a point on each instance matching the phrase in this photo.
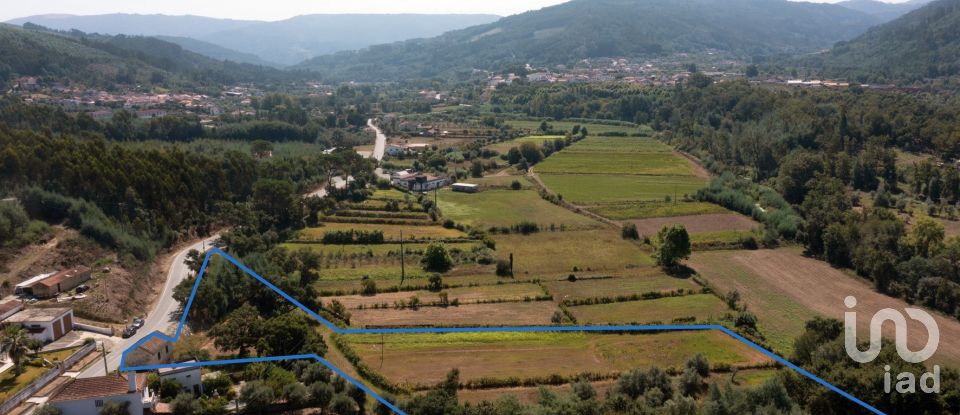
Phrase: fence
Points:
(46, 378)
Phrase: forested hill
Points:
(922, 44)
(581, 29)
(106, 61)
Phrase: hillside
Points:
(216, 51)
(883, 11)
(284, 42)
(104, 61)
(581, 29)
(922, 44)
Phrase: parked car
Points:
(137, 323)
(129, 332)
(82, 288)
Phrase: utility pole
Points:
(103, 347)
(402, 270)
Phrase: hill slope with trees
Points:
(922, 44)
(581, 29)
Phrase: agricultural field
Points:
(498, 314)
(504, 146)
(558, 252)
(698, 224)
(703, 308)
(390, 232)
(592, 189)
(592, 128)
(504, 208)
(386, 249)
(629, 282)
(465, 295)
(569, 161)
(643, 210)
(786, 289)
(529, 355)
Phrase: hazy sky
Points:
(272, 9)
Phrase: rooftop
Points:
(38, 315)
(62, 275)
(9, 305)
(171, 370)
(96, 387)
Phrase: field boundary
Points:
(369, 391)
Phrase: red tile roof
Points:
(98, 387)
(9, 305)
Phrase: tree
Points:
(926, 237)
(239, 331)
(531, 152)
(261, 148)
(515, 185)
(514, 156)
(46, 409)
(15, 342)
(437, 259)
(359, 396)
(185, 404)
(115, 408)
(673, 245)
(321, 393)
(369, 287)
(257, 396)
(476, 168)
(295, 394)
(752, 71)
(629, 231)
(194, 260)
(342, 405)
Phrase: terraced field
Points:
(701, 308)
(504, 208)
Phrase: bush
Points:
(369, 287)
(515, 185)
(437, 259)
(504, 269)
(629, 231)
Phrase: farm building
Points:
(26, 287)
(465, 187)
(44, 324)
(417, 182)
(62, 281)
(88, 395)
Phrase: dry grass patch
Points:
(390, 232)
(465, 295)
(714, 222)
(551, 252)
(513, 314)
(702, 307)
(642, 280)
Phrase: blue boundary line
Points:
(335, 329)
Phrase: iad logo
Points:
(906, 381)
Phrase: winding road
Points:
(164, 315)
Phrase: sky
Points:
(273, 9)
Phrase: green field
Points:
(556, 252)
(596, 188)
(703, 307)
(624, 211)
(373, 250)
(507, 207)
(654, 164)
(466, 295)
(619, 145)
(525, 355)
(636, 281)
(390, 232)
(505, 146)
(592, 128)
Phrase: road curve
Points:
(380, 146)
(163, 316)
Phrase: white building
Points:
(189, 377)
(417, 182)
(44, 324)
(87, 396)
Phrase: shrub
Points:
(516, 185)
(629, 231)
(504, 269)
(369, 287)
(437, 259)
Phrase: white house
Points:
(417, 182)
(44, 324)
(189, 377)
(87, 396)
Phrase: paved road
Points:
(380, 146)
(164, 314)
